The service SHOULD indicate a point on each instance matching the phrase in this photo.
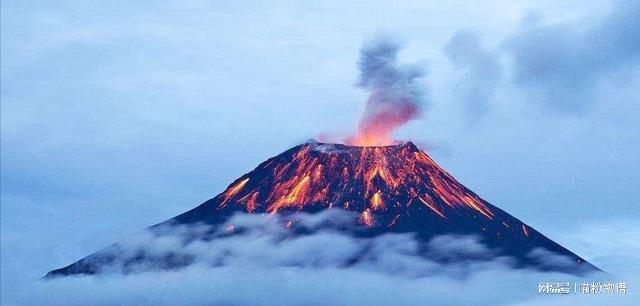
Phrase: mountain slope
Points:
(392, 189)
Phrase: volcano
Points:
(391, 189)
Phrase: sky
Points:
(118, 115)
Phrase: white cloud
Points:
(78, 114)
(259, 263)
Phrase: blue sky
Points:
(117, 115)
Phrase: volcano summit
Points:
(389, 189)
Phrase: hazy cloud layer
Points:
(481, 72)
(560, 65)
(301, 240)
(117, 115)
(258, 262)
(260, 285)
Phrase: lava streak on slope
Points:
(387, 189)
(361, 179)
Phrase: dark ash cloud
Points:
(481, 71)
(561, 65)
(395, 96)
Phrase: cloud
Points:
(550, 260)
(561, 65)
(127, 109)
(481, 71)
(453, 246)
(319, 240)
(259, 262)
(611, 242)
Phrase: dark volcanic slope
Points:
(393, 189)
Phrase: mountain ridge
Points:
(394, 189)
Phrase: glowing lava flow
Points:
(389, 189)
(234, 190)
(366, 218)
(431, 205)
(376, 201)
(360, 179)
(525, 231)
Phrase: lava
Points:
(366, 218)
(296, 195)
(378, 123)
(376, 201)
(233, 190)
(429, 202)
(388, 189)
(361, 179)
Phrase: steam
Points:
(394, 99)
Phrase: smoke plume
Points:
(394, 98)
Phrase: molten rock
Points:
(388, 189)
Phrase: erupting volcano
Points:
(393, 189)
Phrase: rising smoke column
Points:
(394, 98)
